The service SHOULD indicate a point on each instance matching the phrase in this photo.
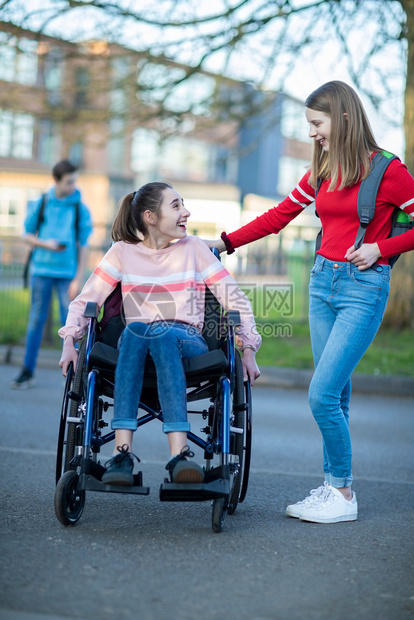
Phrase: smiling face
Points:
(172, 220)
(319, 127)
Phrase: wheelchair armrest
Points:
(91, 310)
(233, 318)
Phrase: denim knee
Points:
(315, 398)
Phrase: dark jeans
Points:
(42, 288)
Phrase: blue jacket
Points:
(58, 223)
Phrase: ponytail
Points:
(124, 227)
(129, 219)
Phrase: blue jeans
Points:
(167, 343)
(346, 307)
(42, 288)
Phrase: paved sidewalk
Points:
(134, 557)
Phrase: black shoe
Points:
(120, 467)
(24, 380)
(182, 470)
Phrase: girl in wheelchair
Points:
(163, 274)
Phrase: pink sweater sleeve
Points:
(228, 293)
(98, 287)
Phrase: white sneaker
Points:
(294, 510)
(331, 507)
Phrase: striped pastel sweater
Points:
(167, 284)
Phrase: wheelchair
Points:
(215, 376)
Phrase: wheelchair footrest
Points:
(89, 483)
(215, 485)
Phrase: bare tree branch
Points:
(250, 40)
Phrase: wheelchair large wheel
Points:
(69, 502)
(242, 441)
(67, 431)
(247, 443)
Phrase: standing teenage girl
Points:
(163, 272)
(348, 288)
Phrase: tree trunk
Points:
(400, 311)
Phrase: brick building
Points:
(96, 103)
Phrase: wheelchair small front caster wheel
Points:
(219, 514)
(69, 502)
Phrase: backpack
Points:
(367, 195)
(40, 220)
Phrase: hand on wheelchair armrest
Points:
(250, 369)
(69, 355)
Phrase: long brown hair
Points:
(351, 140)
(130, 218)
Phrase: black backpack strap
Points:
(41, 214)
(318, 187)
(40, 220)
(367, 194)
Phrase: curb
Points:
(293, 378)
(287, 378)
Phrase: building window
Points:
(6, 132)
(16, 135)
(145, 152)
(18, 59)
(13, 204)
(76, 154)
(116, 144)
(293, 122)
(26, 69)
(178, 93)
(291, 170)
(53, 75)
(176, 157)
(82, 79)
(48, 148)
(7, 57)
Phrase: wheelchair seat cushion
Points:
(214, 362)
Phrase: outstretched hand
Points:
(367, 255)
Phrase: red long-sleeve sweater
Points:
(339, 215)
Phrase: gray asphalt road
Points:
(133, 557)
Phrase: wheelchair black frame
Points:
(219, 481)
